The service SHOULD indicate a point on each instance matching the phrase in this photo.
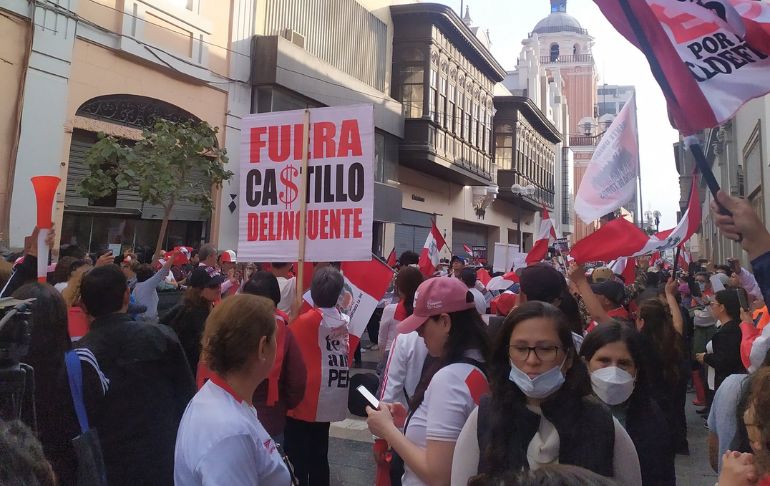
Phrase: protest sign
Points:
(339, 181)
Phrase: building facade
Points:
(738, 154)
(448, 83)
(85, 67)
(303, 60)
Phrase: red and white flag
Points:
(610, 179)
(429, 258)
(545, 237)
(626, 267)
(468, 250)
(503, 282)
(365, 285)
(620, 238)
(713, 55)
(392, 258)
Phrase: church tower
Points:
(566, 52)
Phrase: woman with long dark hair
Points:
(407, 281)
(445, 317)
(57, 423)
(540, 410)
(662, 328)
(614, 355)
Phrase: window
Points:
(450, 110)
(412, 91)
(504, 147)
(434, 109)
(554, 52)
(442, 106)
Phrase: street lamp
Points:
(653, 217)
(520, 191)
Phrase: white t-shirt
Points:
(388, 327)
(288, 288)
(404, 367)
(453, 393)
(221, 442)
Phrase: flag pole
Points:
(303, 208)
(657, 72)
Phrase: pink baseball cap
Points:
(436, 296)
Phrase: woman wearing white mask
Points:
(540, 410)
(620, 378)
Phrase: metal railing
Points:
(567, 59)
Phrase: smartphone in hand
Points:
(369, 397)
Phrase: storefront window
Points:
(97, 232)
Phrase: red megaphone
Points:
(45, 191)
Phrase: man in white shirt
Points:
(468, 276)
(287, 284)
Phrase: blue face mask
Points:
(541, 386)
(702, 286)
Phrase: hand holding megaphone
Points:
(30, 242)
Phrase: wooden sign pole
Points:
(303, 209)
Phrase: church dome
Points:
(559, 21)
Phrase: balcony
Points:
(584, 141)
(577, 58)
(430, 149)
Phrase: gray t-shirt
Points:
(722, 420)
(146, 293)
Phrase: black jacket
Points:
(188, 321)
(726, 358)
(585, 426)
(647, 426)
(150, 386)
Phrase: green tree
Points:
(164, 167)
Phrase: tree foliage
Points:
(164, 167)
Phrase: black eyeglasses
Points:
(546, 354)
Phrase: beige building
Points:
(738, 152)
(79, 67)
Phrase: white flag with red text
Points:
(429, 258)
(713, 55)
(610, 179)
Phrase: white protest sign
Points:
(340, 185)
(507, 257)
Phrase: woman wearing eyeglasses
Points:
(723, 352)
(540, 410)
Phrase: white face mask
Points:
(541, 386)
(612, 385)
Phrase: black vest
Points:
(585, 426)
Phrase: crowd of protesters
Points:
(569, 376)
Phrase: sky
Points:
(617, 62)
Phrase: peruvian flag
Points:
(712, 56)
(626, 267)
(545, 237)
(468, 250)
(483, 276)
(502, 282)
(392, 258)
(365, 285)
(429, 257)
(620, 238)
